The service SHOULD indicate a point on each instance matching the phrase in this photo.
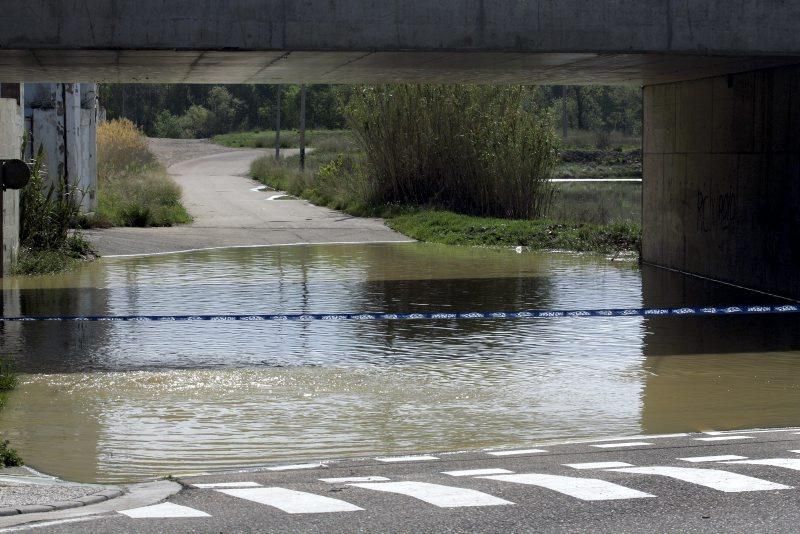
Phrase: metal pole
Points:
(302, 127)
(278, 124)
(564, 106)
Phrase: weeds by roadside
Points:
(133, 188)
(47, 213)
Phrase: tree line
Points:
(197, 111)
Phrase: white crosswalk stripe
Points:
(476, 472)
(219, 485)
(723, 458)
(163, 511)
(346, 480)
(598, 465)
(724, 438)
(585, 489)
(437, 495)
(399, 459)
(709, 478)
(787, 463)
(515, 453)
(620, 445)
(295, 467)
(292, 502)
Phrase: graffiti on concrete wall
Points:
(716, 211)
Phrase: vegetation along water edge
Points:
(8, 381)
(465, 166)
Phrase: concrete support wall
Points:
(10, 145)
(62, 119)
(722, 178)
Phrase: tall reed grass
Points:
(471, 149)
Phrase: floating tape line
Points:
(532, 314)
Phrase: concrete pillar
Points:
(88, 138)
(10, 147)
(62, 119)
(722, 178)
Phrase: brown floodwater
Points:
(116, 402)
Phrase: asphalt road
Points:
(229, 212)
(746, 481)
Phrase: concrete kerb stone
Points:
(95, 498)
(111, 500)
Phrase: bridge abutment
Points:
(721, 194)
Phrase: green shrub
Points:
(196, 123)
(8, 381)
(8, 456)
(167, 125)
(8, 378)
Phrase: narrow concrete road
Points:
(229, 211)
(744, 481)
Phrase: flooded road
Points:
(116, 402)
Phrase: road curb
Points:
(94, 498)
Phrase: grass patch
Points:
(542, 234)
(32, 261)
(140, 197)
(319, 139)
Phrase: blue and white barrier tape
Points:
(532, 314)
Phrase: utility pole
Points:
(564, 110)
(302, 127)
(278, 124)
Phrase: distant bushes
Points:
(222, 113)
(470, 149)
(133, 188)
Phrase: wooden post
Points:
(302, 127)
(278, 124)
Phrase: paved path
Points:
(746, 481)
(228, 212)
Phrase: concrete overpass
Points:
(343, 41)
(721, 90)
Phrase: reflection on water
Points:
(134, 400)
